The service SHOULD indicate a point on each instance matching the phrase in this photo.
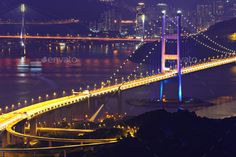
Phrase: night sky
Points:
(87, 9)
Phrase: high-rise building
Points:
(127, 27)
(205, 16)
(229, 9)
(218, 10)
(234, 9)
(107, 1)
(110, 20)
(140, 19)
(162, 6)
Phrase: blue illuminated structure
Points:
(177, 56)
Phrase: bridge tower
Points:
(165, 56)
(22, 33)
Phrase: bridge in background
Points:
(107, 39)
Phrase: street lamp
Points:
(22, 8)
(179, 12)
(163, 12)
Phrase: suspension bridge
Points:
(59, 37)
(12, 125)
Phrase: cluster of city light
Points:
(207, 37)
(129, 131)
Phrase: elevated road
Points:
(56, 148)
(43, 107)
(62, 130)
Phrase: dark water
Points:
(56, 67)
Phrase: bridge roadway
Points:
(62, 130)
(52, 148)
(76, 38)
(9, 120)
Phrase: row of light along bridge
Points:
(9, 120)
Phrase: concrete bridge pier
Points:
(6, 139)
(100, 101)
(49, 143)
(91, 105)
(95, 103)
(32, 129)
(33, 126)
(119, 102)
(20, 127)
(64, 153)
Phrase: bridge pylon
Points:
(176, 57)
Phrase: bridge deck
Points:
(43, 107)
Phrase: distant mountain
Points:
(223, 29)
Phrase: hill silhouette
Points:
(177, 134)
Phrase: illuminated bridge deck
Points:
(43, 107)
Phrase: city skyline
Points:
(123, 20)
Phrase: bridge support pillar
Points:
(64, 153)
(180, 96)
(101, 101)
(91, 105)
(49, 143)
(6, 139)
(119, 102)
(177, 57)
(161, 90)
(20, 127)
(33, 126)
